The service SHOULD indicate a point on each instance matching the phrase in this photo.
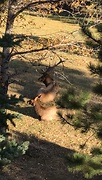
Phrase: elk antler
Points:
(51, 68)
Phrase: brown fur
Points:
(49, 92)
(45, 113)
(46, 79)
(50, 112)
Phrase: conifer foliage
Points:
(89, 165)
(9, 149)
(88, 117)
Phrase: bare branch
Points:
(38, 62)
(29, 51)
(86, 32)
(33, 3)
(60, 58)
(63, 75)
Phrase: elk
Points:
(49, 112)
(46, 77)
(49, 92)
(44, 113)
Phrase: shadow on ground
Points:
(43, 161)
(26, 82)
(62, 17)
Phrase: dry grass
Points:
(50, 141)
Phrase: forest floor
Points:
(50, 141)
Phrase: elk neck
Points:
(38, 108)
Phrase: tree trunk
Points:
(6, 50)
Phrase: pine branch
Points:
(30, 51)
(86, 31)
(35, 50)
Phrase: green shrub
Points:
(90, 165)
(73, 99)
(10, 149)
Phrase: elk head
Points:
(46, 77)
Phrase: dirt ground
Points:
(51, 141)
(43, 161)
